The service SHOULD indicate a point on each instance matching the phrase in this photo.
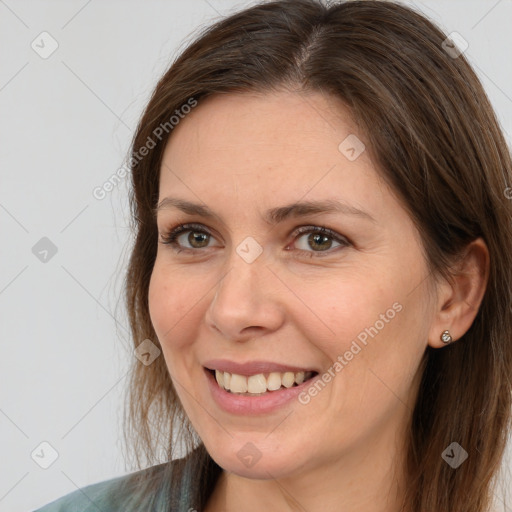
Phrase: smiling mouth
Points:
(261, 383)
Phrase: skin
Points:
(241, 154)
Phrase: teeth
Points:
(299, 377)
(274, 381)
(238, 383)
(288, 379)
(258, 384)
(227, 379)
(220, 378)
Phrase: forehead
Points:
(255, 148)
(269, 122)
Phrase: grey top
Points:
(131, 493)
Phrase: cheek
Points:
(160, 302)
(171, 302)
(174, 303)
(349, 308)
(377, 331)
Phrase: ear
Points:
(458, 301)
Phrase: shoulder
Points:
(180, 484)
(117, 494)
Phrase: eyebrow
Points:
(274, 215)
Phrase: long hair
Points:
(435, 139)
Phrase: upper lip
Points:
(251, 367)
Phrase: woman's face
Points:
(244, 293)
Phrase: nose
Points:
(246, 302)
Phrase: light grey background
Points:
(65, 126)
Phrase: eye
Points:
(320, 239)
(197, 237)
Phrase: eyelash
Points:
(170, 238)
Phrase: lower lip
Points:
(259, 404)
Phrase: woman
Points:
(323, 258)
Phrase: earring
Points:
(446, 337)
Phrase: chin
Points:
(245, 459)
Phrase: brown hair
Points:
(432, 133)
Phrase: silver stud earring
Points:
(446, 337)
